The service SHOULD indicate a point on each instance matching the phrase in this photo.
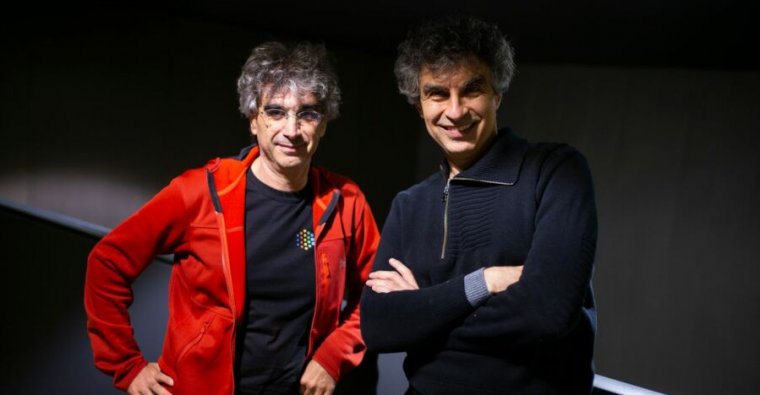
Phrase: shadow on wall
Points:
(87, 194)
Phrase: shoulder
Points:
(193, 184)
(553, 155)
(512, 146)
(420, 194)
(328, 180)
(432, 182)
(546, 156)
(189, 179)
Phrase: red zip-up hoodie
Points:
(199, 217)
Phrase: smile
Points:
(290, 148)
(459, 130)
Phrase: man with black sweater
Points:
(483, 273)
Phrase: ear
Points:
(497, 101)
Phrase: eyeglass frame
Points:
(301, 116)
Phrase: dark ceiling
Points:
(668, 33)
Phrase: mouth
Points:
(289, 148)
(459, 131)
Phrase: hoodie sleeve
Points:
(113, 265)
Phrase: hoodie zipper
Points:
(195, 340)
(321, 265)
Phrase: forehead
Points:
(288, 96)
(455, 74)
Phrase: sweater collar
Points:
(500, 163)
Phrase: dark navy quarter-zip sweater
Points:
(519, 204)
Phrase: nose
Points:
(454, 108)
(291, 126)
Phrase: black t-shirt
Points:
(280, 276)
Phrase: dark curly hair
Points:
(303, 68)
(443, 44)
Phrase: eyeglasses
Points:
(307, 117)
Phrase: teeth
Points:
(462, 127)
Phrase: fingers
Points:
(406, 274)
(316, 391)
(150, 381)
(164, 379)
(499, 278)
(388, 281)
(400, 279)
(379, 287)
(316, 381)
(159, 390)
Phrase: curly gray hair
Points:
(444, 44)
(304, 67)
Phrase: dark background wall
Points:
(99, 112)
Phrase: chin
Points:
(460, 147)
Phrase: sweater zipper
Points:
(446, 206)
(445, 218)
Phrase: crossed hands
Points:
(498, 278)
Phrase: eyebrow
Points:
(272, 106)
(477, 81)
(307, 107)
(433, 88)
(310, 107)
(474, 82)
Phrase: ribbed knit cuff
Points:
(475, 287)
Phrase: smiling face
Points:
(288, 134)
(459, 108)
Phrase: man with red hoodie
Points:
(270, 254)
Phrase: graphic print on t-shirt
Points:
(305, 239)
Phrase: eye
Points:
(437, 94)
(275, 114)
(473, 90)
(309, 116)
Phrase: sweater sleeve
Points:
(344, 348)
(397, 321)
(548, 299)
(113, 265)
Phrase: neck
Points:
(288, 180)
(460, 163)
(453, 170)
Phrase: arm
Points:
(343, 349)
(396, 321)
(113, 265)
(493, 280)
(548, 300)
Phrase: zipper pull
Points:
(445, 193)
